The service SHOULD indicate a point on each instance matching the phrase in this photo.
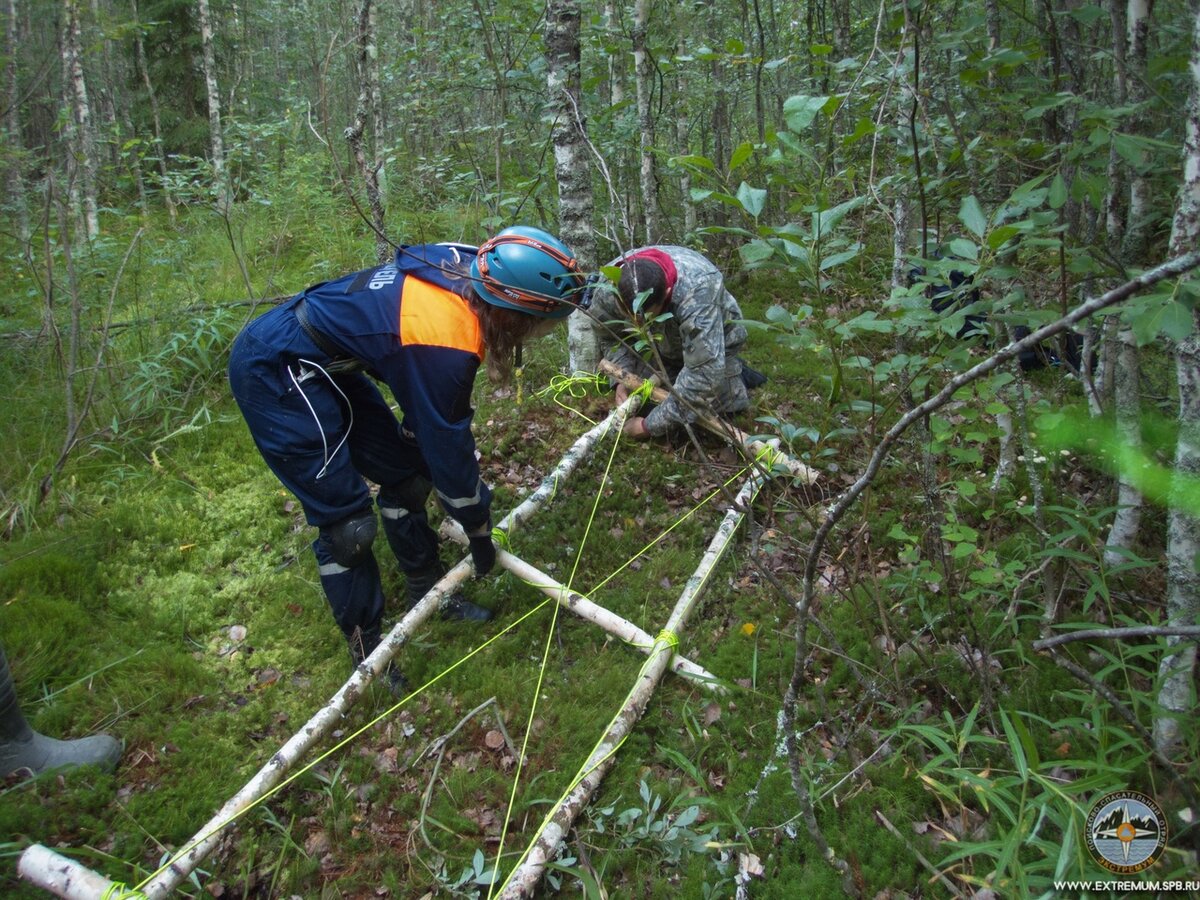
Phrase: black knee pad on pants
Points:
(350, 540)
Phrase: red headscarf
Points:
(663, 261)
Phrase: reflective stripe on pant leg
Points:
(355, 594)
(413, 542)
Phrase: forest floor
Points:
(175, 603)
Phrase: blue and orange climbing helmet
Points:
(528, 270)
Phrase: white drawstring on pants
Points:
(304, 375)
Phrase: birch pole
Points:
(524, 878)
(573, 601)
(42, 867)
(81, 138)
(771, 453)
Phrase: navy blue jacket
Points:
(410, 329)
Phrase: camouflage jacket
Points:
(695, 342)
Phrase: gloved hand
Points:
(483, 551)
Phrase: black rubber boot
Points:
(456, 608)
(752, 378)
(22, 748)
(362, 644)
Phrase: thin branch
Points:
(1114, 634)
(942, 879)
(1125, 713)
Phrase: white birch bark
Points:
(63, 877)
(208, 64)
(554, 828)
(643, 72)
(1126, 398)
(616, 83)
(1177, 695)
(572, 171)
(361, 132)
(1127, 404)
(573, 601)
(81, 144)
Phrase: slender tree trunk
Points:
(144, 72)
(216, 138)
(1177, 694)
(104, 83)
(356, 134)
(841, 29)
(14, 183)
(644, 69)
(760, 39)
(683, 145)
(81, 143)
(616, 79)
(571, 168)
(1134, 241)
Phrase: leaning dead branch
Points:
(1172, 269)
(524, 878)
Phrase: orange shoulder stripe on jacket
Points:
(432, 316)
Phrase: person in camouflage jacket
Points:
(698, 342)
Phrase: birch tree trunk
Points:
(362, 130)
(13, 181)
(571, 164)
(1176, 696)
(683, 145)
(81, 144)
(1127, 400)
(213, 95)
(144, 73)
(644, 71)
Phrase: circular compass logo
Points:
(1126, 832)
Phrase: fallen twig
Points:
(439, 743)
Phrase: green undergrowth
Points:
(163, 590)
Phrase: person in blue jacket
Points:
(304, 377)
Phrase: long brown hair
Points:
(503, 331)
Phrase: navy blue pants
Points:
(323, 435)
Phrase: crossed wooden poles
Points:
(68, 879)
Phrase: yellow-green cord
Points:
(512, 797)
(119, 891)
(339, 746)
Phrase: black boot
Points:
(23, 748)
(752, 378)
(362, 644)
(455, 608)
